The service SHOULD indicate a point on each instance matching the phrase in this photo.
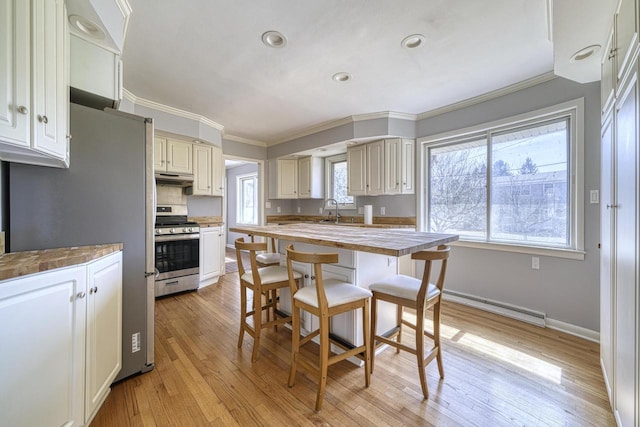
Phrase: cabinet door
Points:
(201, 170)
(160, 155)
(288, 179)
(357, 170)
(407, 170)
(42, 358)
(607, 81)
(304, 177)
(217, 172)
(375, 168)
(393, 166)
(626, 285)
(104, 329)
(210, 252)
(49, 78)
(626, 35)
(606, 224)
(14, 73)
(179, 157)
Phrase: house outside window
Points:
(336, 183)
(530, 196)
(247, 208)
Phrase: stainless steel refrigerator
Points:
(106, 196)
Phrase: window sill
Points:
(531, 250)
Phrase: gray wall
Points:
(566, 290)
(232, 192)
(246, 151)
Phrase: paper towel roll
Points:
(368, 214)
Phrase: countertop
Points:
(207, 221)
(17, 264)
(355, 220)
(376, 240)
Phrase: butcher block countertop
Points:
(17, 264)
(207, 221)
(384, 241)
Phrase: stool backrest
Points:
(440, 254)
(272, 242)
(317, 259)
(252, 247)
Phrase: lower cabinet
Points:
(210, 255)
(61, 343)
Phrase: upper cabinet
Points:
(179, 157)
(208, 171)
(34, 83)
(381, 167)
(296, 178)
(287, 178)
(310, 182)
(217, 172)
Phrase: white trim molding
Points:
(244, 140)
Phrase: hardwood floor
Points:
(498, 372)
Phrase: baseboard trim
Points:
(570, 329)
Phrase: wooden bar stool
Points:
(263, 281)
(326, 299)
(405, 291)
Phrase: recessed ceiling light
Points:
(413, 41)
(585, 53)
(86, 27)
(274, 39)
(342, 77)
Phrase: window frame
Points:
(574, 111)
(240, 197)
(328, 192)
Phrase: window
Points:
(336, 187)
(247, 191)
(527, 197)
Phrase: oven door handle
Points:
(176, 237)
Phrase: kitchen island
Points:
(365, 255)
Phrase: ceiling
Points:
(207, 57)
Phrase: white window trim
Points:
(575, 109)
(328, 161)
(239, 179)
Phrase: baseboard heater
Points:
(519, 313)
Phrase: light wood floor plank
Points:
(498, 372)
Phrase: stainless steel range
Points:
(177, 251)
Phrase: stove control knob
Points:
(173, 230)
(158, 231)
(187, 230)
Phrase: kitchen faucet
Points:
(337, 213)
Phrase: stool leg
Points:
(295, 342)
(399, 312)
(274, 305)
(324, 359)
(243, 313)
(420, 350)
(257, 324)
(374, 321)
(367, 343)
(436, 336)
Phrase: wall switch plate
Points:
(135, 342)
(299, 210)
(320, 210)
(278, 209)
(535, 263)
(594, 197)
(382, 210)
(267, 205)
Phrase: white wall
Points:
(232, 199)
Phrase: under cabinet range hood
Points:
(181, 180)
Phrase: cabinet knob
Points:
(23, 110)
(612, 206)
(313, 277)
(43, 119)
(612, 53)
(306, 276)
(93, 290)
(80, 295)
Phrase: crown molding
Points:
(170, 110)
(244, 140)
(488, 96)
(384, 115)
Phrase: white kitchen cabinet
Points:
(34, 75)
(607, 82)
(626, 35)
(287, 178)
(375, 168)
(357, 170)
(160, 154)
(399, 166)
(179, 157)
(61, 343)
(310, 174)
(217, 172)
(95, 70)
(202, 171)
(211, 253)
(103, 330)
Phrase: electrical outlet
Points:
(320, 211)
(535, 263)
(382, 210)
(135, 342)
(299, 210)
(594, 197)
(267, 205)
(278, 210)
